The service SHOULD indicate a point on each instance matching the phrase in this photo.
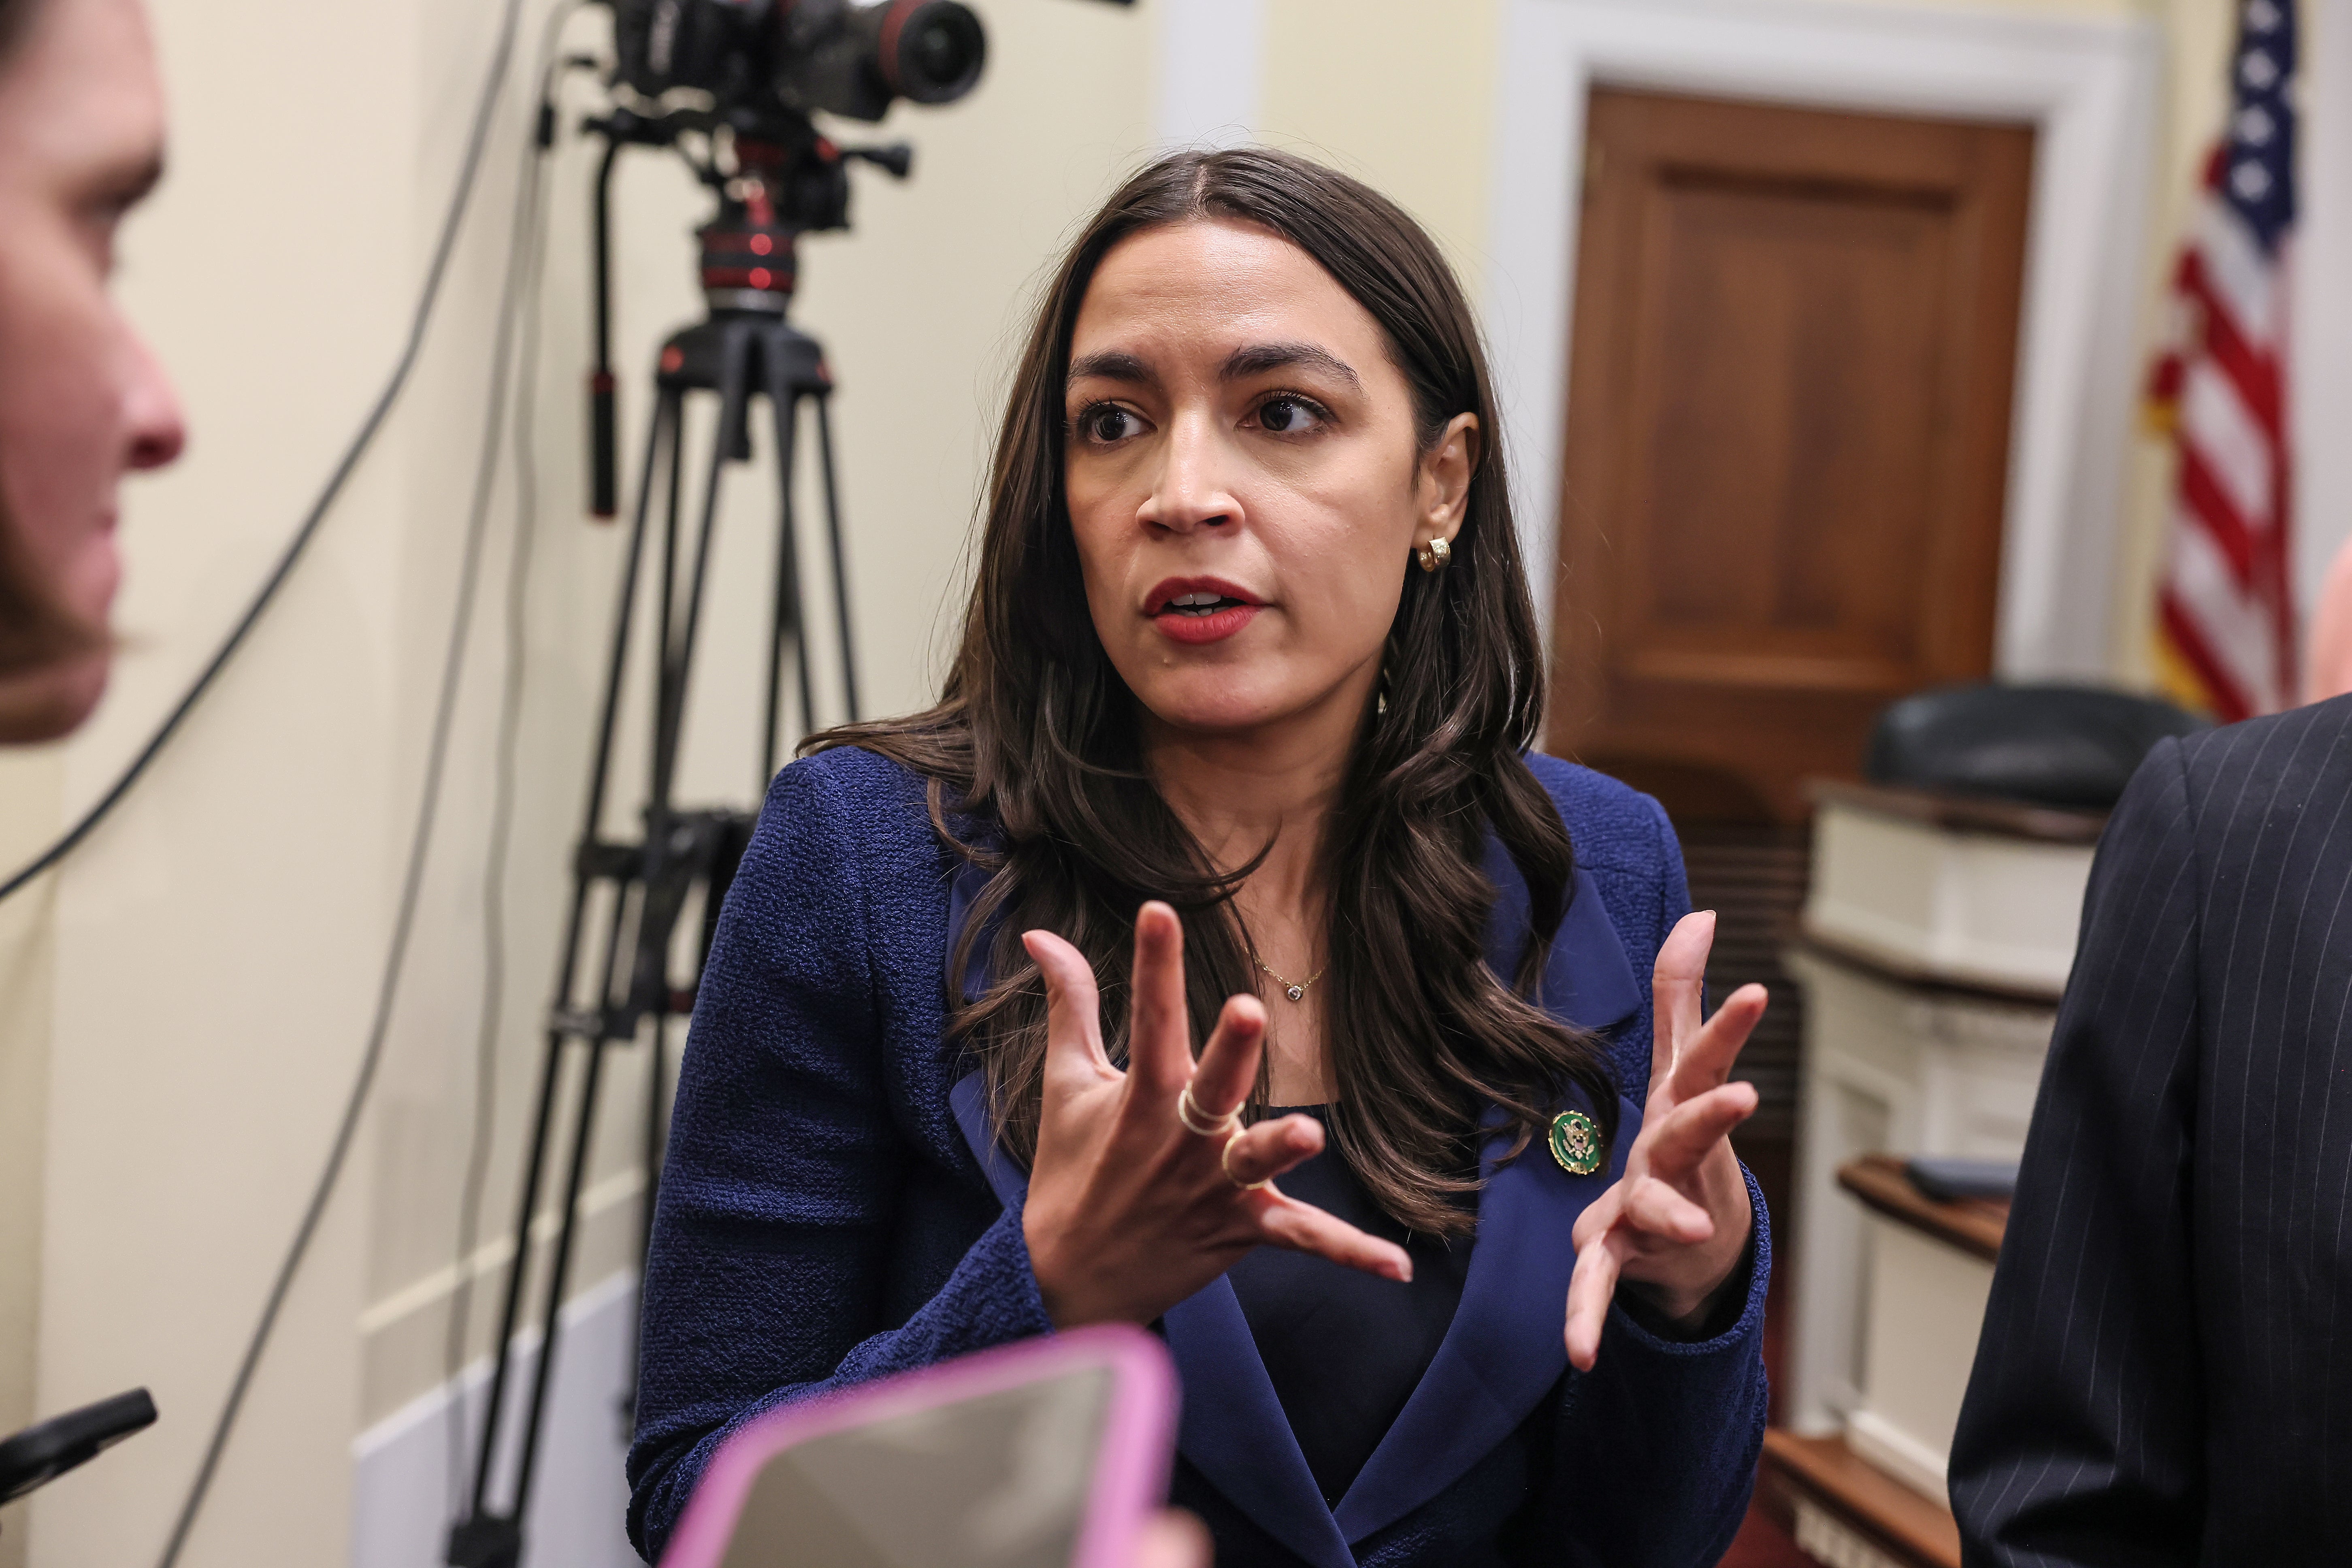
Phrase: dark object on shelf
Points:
(2053, 745)
(1948, 1181)
(40, 1455)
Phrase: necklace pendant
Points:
(1296, 992)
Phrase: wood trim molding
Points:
(1901, 969)
(1825, 1472)
(1975, 1226)
(1963, 813)
(2089, 87)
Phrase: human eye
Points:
(1107, 424)
(1291, 414)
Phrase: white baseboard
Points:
(1897, 1453)
(401, 1504)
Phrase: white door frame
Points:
(2088, 86)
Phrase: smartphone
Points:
(1046, 1453)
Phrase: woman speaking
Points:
(1215, 955)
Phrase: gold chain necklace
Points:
(1294, 989)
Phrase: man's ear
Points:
(1444, 491)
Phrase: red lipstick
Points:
(1197, 610)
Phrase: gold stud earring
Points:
(1434, 555)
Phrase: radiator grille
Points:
(1754, 877)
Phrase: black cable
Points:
(528, 256)
(453, 667)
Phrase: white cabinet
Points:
(1937, 938)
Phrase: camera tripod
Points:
(743, 351)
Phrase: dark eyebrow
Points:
(1256, 359)
(1113, 365)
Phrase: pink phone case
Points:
(1131, 1469)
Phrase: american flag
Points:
(2225, 612)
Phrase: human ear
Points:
(1442, 492)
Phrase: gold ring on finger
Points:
(1227, 1160)
(1196, 1120)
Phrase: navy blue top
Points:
(1344, 1349)
(833, 1210)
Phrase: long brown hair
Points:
(1034, 769)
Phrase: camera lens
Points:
(932, 50)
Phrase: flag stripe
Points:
(2225, 616)
(2232, 623)
(2215, 425)
(2217, 521)
(2235, 268)
(2254, 373)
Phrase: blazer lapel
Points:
(1588, 980)
(969, 1100)
(1505, 1349)
(1232, 1430)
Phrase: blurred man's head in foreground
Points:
(82, 401)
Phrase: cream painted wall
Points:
(1396, 93)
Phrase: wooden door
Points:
(1788, 436)
(1786, 456)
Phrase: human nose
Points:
(1190, 490)
(158, 429)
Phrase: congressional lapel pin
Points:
(1576, 1143)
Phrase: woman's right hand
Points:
(1129, 1211)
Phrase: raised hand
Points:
(1674, 1225)
(1130, 1209)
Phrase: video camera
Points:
(757, 56)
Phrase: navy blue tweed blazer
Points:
(835, 1210)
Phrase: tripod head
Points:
(777, 177)
(778, 192)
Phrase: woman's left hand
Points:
(1675, 1225)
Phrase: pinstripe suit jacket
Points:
(2166, 1370)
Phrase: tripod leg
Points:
(549, 1079)
(656, 1123)
(665, 605)
(559, 1270)
(559, 1266)
(657, 1088)
(783, 619)
(661, 437)
(661, 453)
(840, 560)
(783, 403)
(734, 397)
